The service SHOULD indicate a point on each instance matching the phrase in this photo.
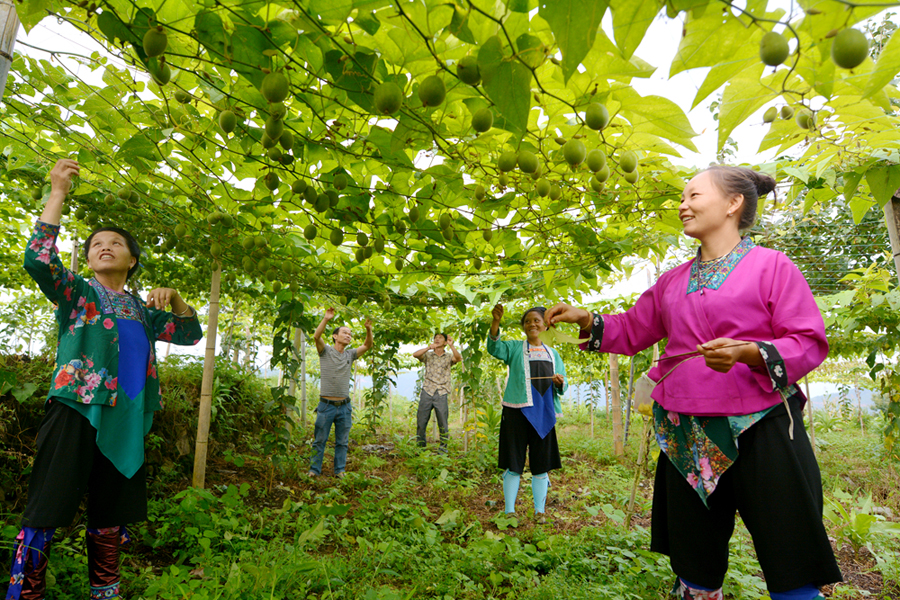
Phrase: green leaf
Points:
(851, 183)
(656, 115)
(139, 146)
(631, 18)
(507, 83)
(30, 13)
(883, 182)
(574, 24)
(331, 11)
(715, 38)
(742, 97)
(859, 207)
(886, 68)
(210, 32)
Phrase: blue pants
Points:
(342, 417)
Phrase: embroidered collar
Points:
(712, 275)
(123, 305)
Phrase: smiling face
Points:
(533, 324)
(342, 336)
(108, 253)
(704, 208)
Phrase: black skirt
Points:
(518, 436)
(776, 486)
(69, 465)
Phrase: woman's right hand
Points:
(61, 176)
(563, 313)
(497, 313)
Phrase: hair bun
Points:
(764, 183)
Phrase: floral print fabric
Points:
(712, 274)
(87, 356)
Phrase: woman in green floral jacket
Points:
(102, 397)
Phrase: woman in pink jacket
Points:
(728, 418)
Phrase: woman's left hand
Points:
(558, 380)
(721, 358)
(160, 298)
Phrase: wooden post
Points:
(629, 399)
(303, 378)
(892, 220)
(593, 406)
(73, 262)
(9, 27)
(292, 387)
(616, 405)
(812, 423)
(209, 370)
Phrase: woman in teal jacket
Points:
(537, 378)
(101, 401)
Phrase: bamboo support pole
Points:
(616, 405)
(892, 220)
(629, 399)
(209, 370)
(9, 27)
(303, 378)
(642, 457)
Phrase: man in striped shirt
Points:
(335, 362)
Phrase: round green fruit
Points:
(80, 213)
(596, 160)
(574, 152)
(528, 161)
(414, 214)
(596, 116)
(310, 194)
(773, 49)
(849, 48)
(503, 180)
(182, 97)
(272, 274)
(479, 192)
(787, 112)
(215, 249)
(507, 161)
(628, 161)
(276, 286)
(597, 185)
(360, 255)
(542, 187)
(770, 115)
(321, 204)
(467, 70)
(333, 198)
(310, 231)
(362, 239)
(555, 192)
(272, 181)
(155, 41)
(400, 227)
(180, 230)
(336, 237)
(274, 128)
(274, 153)
(109, 199)
(388, 98)
(227, 121)
(603, 174)
(482, 120)
(632, 176)
(248, 265)
(124, 193)
(275, 87)
(277, 110)
(476, 262)
(298, 187)
(398, 264)
(806, 120)
(339, 182)
(268, 142)
(247, 243)
(432, 91)
(379, 245)
(286, 140)
(487, 234)
(445, 220)
(162, 74)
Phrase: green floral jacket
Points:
(87, 354)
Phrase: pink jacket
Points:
(764, 298)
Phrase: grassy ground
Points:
(407, 523)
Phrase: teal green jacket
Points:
(87, 354)
(518, 390)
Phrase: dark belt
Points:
(334, 402)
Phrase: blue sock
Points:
(510, 489)
(807, 592)
(539, 485)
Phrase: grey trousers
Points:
(427, 402)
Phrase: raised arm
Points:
(367, 344)
(457, 357)
(60, 183)
(317, 334)
(418, 354)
